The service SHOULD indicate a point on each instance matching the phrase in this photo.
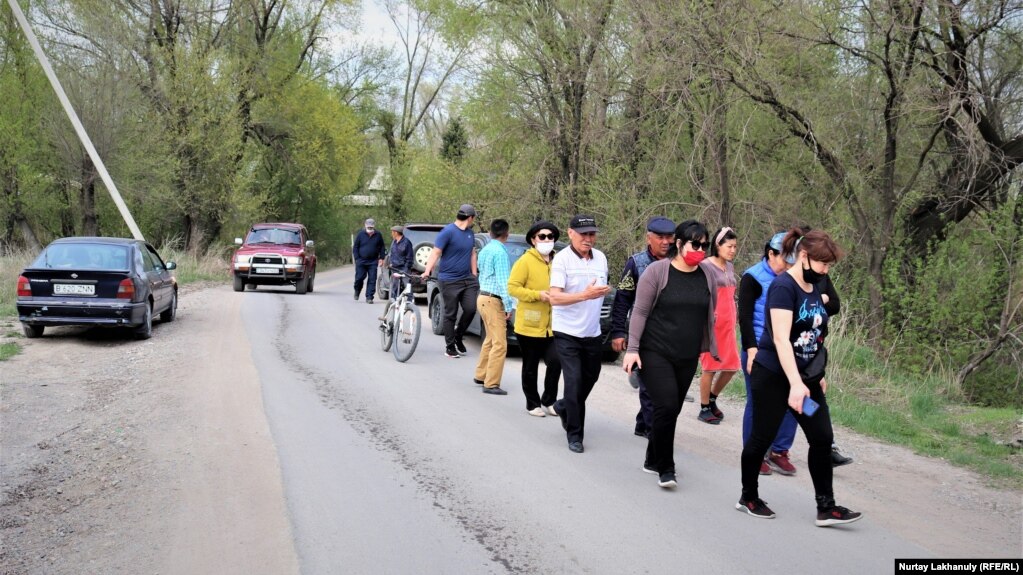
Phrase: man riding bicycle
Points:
(399, 259)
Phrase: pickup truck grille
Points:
(272, 259)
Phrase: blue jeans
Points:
(786, 431)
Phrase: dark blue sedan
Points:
(85, 281)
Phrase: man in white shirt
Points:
(578, 287)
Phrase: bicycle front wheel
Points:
(406, 333)
(387, 330)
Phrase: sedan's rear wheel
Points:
(32, 331)
(168, 315)
(145, 331)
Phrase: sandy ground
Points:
(123, 456)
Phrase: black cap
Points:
(583, 223)
(542, 225)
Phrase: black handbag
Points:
(814, 371)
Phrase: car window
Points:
(274, 236)
(83, 256)
(147, 261)
(157, 260)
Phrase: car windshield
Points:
(517, 248)
(83, 257)
(273, 236)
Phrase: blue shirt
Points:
(456, 247)
(494, 268)
(401, 255)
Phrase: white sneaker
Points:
(536, 411)
(550, 410)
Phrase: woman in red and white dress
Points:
(718, 372)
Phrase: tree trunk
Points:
(719, 149)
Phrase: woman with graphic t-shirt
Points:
(784, 374)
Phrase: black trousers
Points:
(533, 350)
(667, 380)
(580, 366)
(362, 270)
(645, 415)
(458, 294)
(770, 392)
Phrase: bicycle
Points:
(400, 324)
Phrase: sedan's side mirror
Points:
(238, 241)
(171, 266)
(310, 243)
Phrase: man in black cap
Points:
(368, 253)
(456, 274)
(660, 235)
(578, 287)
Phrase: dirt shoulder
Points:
(119, 454)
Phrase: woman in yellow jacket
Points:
(529, 283)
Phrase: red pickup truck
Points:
(275, 254)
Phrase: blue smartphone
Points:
(809, 406)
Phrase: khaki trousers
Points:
(490, 367)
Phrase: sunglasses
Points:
(704, 246)
(545, 236)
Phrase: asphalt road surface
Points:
(403, 468)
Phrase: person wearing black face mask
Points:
(789, 368)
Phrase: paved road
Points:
(409, 468)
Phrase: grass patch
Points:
(925, 413)
(9, 350)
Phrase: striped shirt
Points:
(493, 266)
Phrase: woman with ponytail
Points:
(788, 375)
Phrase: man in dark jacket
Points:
(368, 253)
(399, 259)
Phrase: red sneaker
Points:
(765, 469)
(780, 462)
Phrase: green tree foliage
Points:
(454, 142)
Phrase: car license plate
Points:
(266, 271)
(73, 289)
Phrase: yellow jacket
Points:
(529, 276)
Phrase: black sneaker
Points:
(494, 391)
(575, 446)
(837, 459)
(836, 515)
(460, 346)
(707, 416)
(476, 381)
(451, 352)
(667, 480)
(716, 411)
(356, 296)
(648, 468)
(756, 507)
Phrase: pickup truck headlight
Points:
(240, 259)
(293, 261)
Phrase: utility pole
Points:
(73, 116)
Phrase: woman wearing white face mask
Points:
(529, 283)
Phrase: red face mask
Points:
(693, 258)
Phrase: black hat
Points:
(583, 224)
(466, 210)
(542, 225)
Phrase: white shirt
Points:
(573, 274)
